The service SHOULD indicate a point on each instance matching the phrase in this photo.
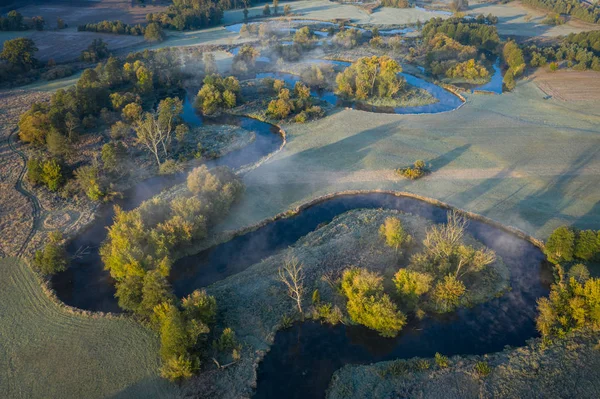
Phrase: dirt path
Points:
(35, 205)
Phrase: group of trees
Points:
(414, 172)
(435, 279)
(96, 51)
(567, 245)
(371, 77)
(190, 14)
(218, 93)
(444, 54)
(53, 258)
(113, 91)
(152, 32)
(245, 59)
(138, 253)
(513, 57)
(298, 103)
(581, 51)
(469, 70)
(14, 21)
(19, 54)
(584, 11)
(395, 3)
(479, 33)
(348, 38)
(573, 303)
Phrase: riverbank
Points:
(535, 370)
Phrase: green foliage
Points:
(483, 369)
(470, 70)
(370, 77)
(188, 15)
(413, 172)
(584, 11)
(178, 368)
(113, 156)
(560, 245)
(266, 10)
(369, 305)
(114, 27)
(245, 59)
(96, 51)
(287, 10)
(348, 38)
(200, 306)
(217, 94)
(327, 313)
(587, 245)
(395, 3)
(53, 257)
(316, 297)
(394, 234)
(87, 178)
(154, 33)
(226, 341)
(579, 272)
(571, 305)
(478, 33)
(12, 22)
(410, 285)
(19, 53)
(52, 174)
(441, 361)
(447, 293)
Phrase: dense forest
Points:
(575, 8)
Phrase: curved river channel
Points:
(303, 358)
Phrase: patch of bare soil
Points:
(569, 85)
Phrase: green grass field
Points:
(48, 352)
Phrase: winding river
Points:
(304, 357)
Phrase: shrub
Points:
(169, 167)
(441, 361)
(415, 172)
(483, 369)
(53, 258)
(394, 234)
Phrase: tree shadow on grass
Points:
(551, 200)
(346, 154)
(446, 158)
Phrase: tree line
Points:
(585, 12)
(152, 32)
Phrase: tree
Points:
(579, 272)
(38, 22)
(587, 245)
(53, 258)
(119, 130)
(287, 9)
(154, 33)
(52, 175)
(394, 234)
(168, 112)
(245, 13)
(369, 305)
(19, 53)
(113, 155)
(447, 293)
(155, 290)
(132, 112)
(34, 125)
(60, 23)
(72, 124)
(275, 7)
(560, 245)
(57, 144)
(371, 77)
(411, 284)
(267, 10)
(145, 79)
(292, 276)
(87, 178)
(200, 306)
(150, 135)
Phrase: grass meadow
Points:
(46, 351)
(517, 158)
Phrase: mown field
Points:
(516, 158)
(48, 352)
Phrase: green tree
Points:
(560, 245)
(287, 9)
(579, 272)
(113, 156)
(368, 304)
(132, 112)
(394, 234)
(88, 179)
(19, 53)
(53, 258)
(155, 290)
(447, 293)
(154, 33)
(200, 306)
(275, 7)
(411, 284)
(34, 125)
(57, 144)
(52, 175)
(587, 245)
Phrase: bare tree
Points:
(292, 275)
(150, 134)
